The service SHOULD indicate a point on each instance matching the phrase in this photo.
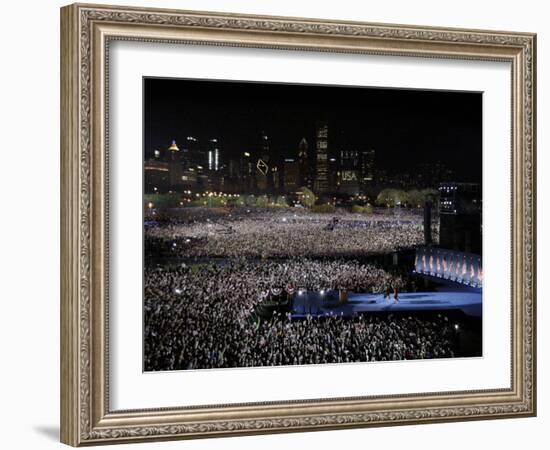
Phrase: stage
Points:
(469, 301)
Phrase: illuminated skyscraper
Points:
(349, 171)
(367, 169)
(304, 164)
(214, 158)
(264, 175)
(190, 152)
(266, 150)
(321, 158)
(248, 180)
(367, 165)
(174, 164)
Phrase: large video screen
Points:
(451, 265)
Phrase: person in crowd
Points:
(201, 303)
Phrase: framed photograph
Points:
(275, 224)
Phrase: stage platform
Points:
(468, 301)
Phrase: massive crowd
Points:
(281, 233)
(202, 316)
(201, 309)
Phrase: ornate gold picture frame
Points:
(87, 32)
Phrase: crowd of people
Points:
(279, 233)
(203, 316)
(201, 309)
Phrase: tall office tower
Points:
(367, 168)
(214, 156)
(174, 164)
(231, 176)
(276, 179)
(196, 155)
(264, 175)
(460, 221)
(191, 158)
(247, 182)
(304, 164)
(321, 158)
(291, 177)
(265, 147)
(190, 152)
(349, 172)
(333, 173)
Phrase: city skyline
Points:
(239, 115)
(344, 221)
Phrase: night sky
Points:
(405, 127)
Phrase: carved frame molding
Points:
(86, 31)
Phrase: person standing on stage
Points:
(387, 293)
